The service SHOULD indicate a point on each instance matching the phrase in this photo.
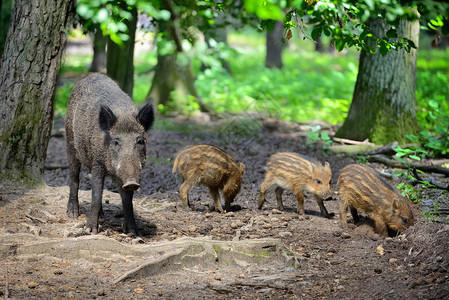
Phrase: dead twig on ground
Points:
(401, 165)
(430, 180)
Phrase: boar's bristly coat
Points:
(297, 173)
(107, 134)
(362, 188)
(212, 167)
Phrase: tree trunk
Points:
(170, 76)
(383, 104)
(120, 59)
(273, 59)
(28, 71)
(99, 42)
(319, 47)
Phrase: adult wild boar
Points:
(106, 133)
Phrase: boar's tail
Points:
(175, 166)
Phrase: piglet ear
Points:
(146, 116)
(106, 118)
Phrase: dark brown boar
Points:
(289, 171)
(212, 167)
(362, 188)
(107, 134)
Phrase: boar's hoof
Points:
(73, 212)
(328, 215)
(130, 186)
(91, 229)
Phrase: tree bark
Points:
(383, 104)
(99, 42)
(28, 71)
(120, 59)
(273, 58)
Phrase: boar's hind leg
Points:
(343, 210)
(74, 181)
(97, 196)
(129, 223)
(278, 191)
(323, 210)
(216, 199)
(184, 190)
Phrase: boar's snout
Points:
(130, 186)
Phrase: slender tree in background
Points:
(170, 75)
(383, 107)
(99, 42)
(120, 58)
(28, 71)
(274, 46)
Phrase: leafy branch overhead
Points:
(347, 22)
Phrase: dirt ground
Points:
(196, 254)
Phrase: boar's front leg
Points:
(323, 210)
(129, 223)
(97, 181)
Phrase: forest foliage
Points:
(310, 86)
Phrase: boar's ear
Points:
(106, 118)
(242, 169)
(327, 165)
(395, 204)
(146, 116)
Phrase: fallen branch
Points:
(260, 285)
(401, 165)
(430, 180)
(352, 142)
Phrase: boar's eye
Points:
(318, 181)
(115, 143)
(140, 141)
(404, 220)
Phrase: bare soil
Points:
(195, 254)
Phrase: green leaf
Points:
(339, 44)
(316, 33)
(383, 49)
(392, 33)
(415, 157)
(325, 136)
(102, 15)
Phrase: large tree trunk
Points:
(99, 42)
(28, 73)
(169, 75)
(383, 105)
(273, 58)
(120, 59)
